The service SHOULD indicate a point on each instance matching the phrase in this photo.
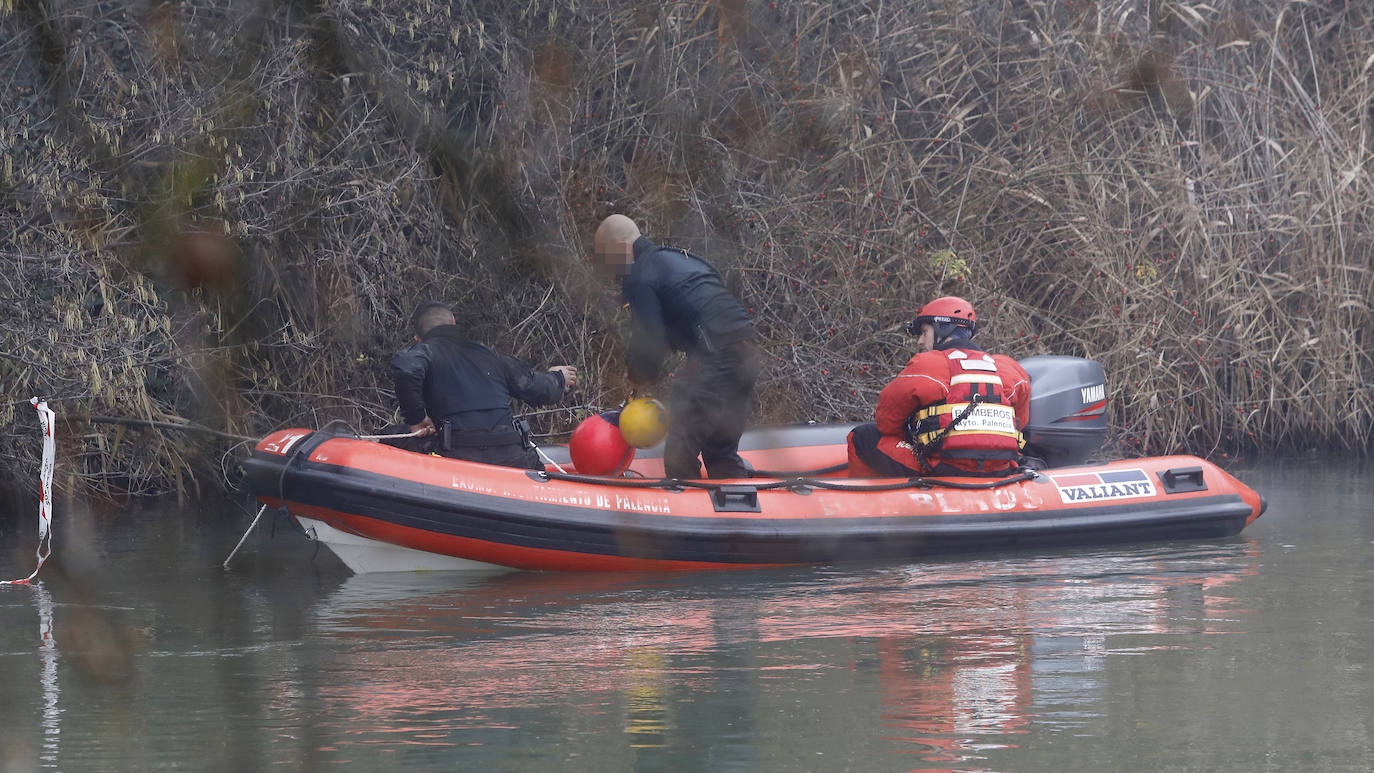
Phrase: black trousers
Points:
(710, 402)
(505, 454)
(510, 455)
(865, 438)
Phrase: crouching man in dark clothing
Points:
(678, 302)
(456, 393)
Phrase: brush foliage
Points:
(223, 211)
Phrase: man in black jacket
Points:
(459, 391)
(678, 302)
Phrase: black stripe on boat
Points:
(736, 539)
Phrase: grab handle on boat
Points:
(1181, 480)
(728, 498)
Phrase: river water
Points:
(137, 651)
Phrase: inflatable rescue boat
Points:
(381, 508)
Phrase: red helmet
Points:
(945, 315)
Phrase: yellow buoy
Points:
(643, 422)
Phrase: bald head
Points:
(615, 239)
(429, 316)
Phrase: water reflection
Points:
(962, 657)
(52, 715)
(1247, 654)
(16, 751)
(1009, 647)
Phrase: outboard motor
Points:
(1068, 409)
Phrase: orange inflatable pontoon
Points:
(384, 509)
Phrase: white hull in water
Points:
(365, 556)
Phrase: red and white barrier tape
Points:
(45, 417)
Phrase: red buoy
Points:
(597, 447)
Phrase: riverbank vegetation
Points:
(221, 212)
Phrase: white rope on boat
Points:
(244, 538)
(388, 437)
(547, 460)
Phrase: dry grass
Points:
(224, 211)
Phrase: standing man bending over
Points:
(953, 410)
(460, 390)
(678, 302)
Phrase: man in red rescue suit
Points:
(953, 410)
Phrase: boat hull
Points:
(486, 516)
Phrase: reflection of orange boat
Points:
(381, 508)
(960, 656)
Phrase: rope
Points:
(803, 480)
(546, 458)
(791, 483)
(244, 538)
(166, 425)
(925, 483)
(801, 473)
(388, 437)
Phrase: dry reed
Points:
(224, 211)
